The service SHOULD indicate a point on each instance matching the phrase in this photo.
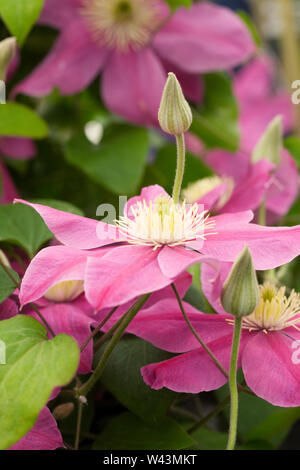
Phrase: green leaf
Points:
(275, 427)
(174, 4)
(22, 226)
(246, 18)
(16, 120)
(265, 422)
(164, 167)
(208, 439)
(7, 286)
(128, 432)
(216, 122)
(122, 377)
(20, 15)
(34, 367)
(117, 163)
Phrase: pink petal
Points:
(271, 367)
(270, 246)
(9, 191)
(59, 14)
(149, 193)
(17, 147)
(43, 436)
(259, 71)
(235, 165)
(69, 319)
(211, 200)
(204, 38)
(255, 118)
(212, 280)
(72, 64)
(124, 273)
(75, 230)
(194, 371)
(174, 260)
(284, 189)
(163, 325)
(250, 191)
(182, 283)
(132, 85)
(49, 267)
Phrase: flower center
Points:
(121, 24)
(275, 310)
(200, 188)
(65, 291)
(162, 222)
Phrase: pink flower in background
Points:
(149, 248)
(134, 43)
(269, 350)
(222, 194)
(12, 147)
(44, 435)
(258, 106)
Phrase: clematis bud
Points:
(63, 411)
(240, 291)
(174, 115)
(270, 144)
(4, 259)
(7, 51)
(65, 291)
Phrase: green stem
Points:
(97, 329)
(179, 168)
(78, 424)
(262, 213)
(109, 333)
(34, 307)
(219, 407)
(209, 352)
(234, 396)
(204, 346)
(85, 388)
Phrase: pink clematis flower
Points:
(258, 106)
(221, 194)
(134, 43)
(150, 246)
(269, 351)
(44, 435)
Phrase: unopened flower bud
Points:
(65, 291)
(240, 291)
(270, 144)
(63, 411)
(174, 115)
(7, 51)
(4, 259)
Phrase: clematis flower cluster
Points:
(134, 43)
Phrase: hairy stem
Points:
(234, 395)
(179, 168)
